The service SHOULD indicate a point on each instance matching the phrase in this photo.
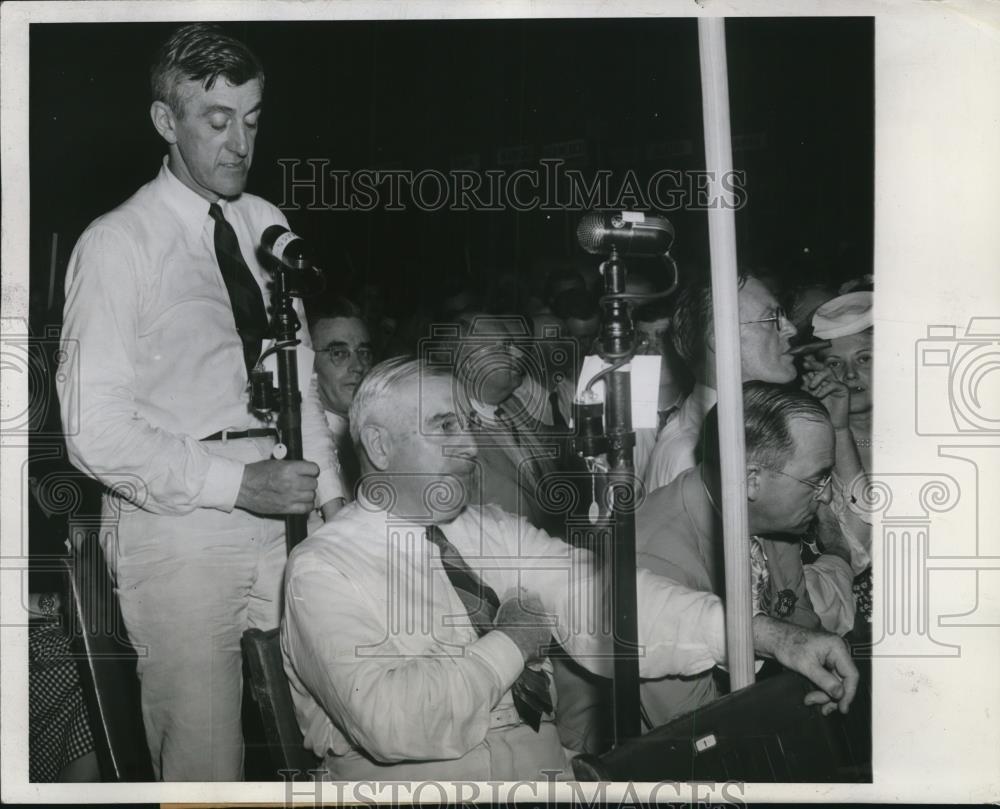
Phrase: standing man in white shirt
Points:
(765, 334)
(344, 354)
(167, 302)
(415, 624)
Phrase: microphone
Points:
(291, 251)
(631, 233)
(286, 248)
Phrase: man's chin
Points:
(788, 371)
(231, 186)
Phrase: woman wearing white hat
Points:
(841, 377)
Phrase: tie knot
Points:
(436, 535)
(215, 211)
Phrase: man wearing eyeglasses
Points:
(765, 335)
(344, 356)
(789, 457)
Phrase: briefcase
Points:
(762, 734)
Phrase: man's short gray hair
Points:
(375, 395)
(200, 52)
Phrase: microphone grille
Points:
(590, 231)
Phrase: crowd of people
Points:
(439, 620)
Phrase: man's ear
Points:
(754, 482)
(164, 121)
(377, 444)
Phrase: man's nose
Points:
(239, 140)
(466, 450)
(787, 328)
(826, 495)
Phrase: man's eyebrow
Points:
(816, 477)
(230, 110)
(332, 343)
(437, 418)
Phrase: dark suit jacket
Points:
(528, 470)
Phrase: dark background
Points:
(426, 94)
(423, 94)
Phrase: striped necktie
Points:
(531, 689)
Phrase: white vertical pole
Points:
(722, 243)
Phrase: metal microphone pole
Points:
(286, 323)
(619, 233)
(617, 342)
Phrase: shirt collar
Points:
(191, 208)
(338, 424)
(703, 398)
(513, 408)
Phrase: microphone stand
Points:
(286, 398)
(613, 437)
(617, 343)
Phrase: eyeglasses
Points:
(339, 355)
(818, 488)
(776, 318)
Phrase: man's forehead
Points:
(342, 329)
(243, 97)
(755, 297)
(814, 442)
(435, 394)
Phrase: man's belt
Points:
(231, 435)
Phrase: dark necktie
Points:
(244, 292)
(531, 689)
(558, 420)
(528, 451)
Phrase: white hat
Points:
(848, 314)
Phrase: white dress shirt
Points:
(338, 424)
(674, 450)
(382, 656)
(160, 362)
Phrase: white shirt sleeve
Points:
(173, 473)
(395, 706)
(829, 582)
(681, 631)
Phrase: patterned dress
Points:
(58, 730)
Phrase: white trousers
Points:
(514, 753)
(188, 587)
